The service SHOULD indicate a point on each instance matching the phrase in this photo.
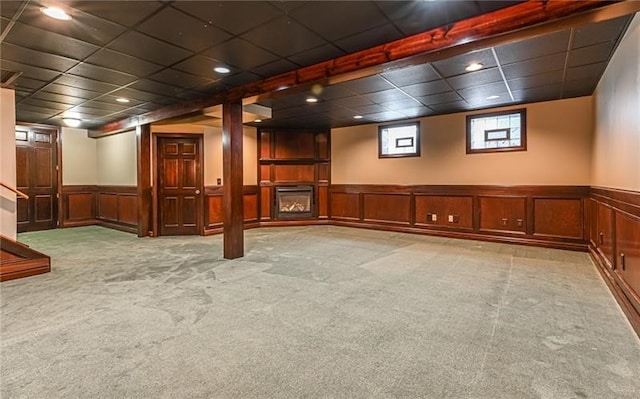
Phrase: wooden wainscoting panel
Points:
(592, 215)
(294, 173)
(345, 206)
(265, 145)
(294, 144)
(449, 211)
(128, 209)
(250, 206)
(323, 202)
(558, 217)
(628, 254)
(323, 172)
(265, 173)
(108, 206)
(503, 214)
(605, 234)
(266, 200)
(80, 206)
(387, 208)
(214, 211)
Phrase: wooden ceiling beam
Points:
(518, 22)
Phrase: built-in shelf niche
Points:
(288, 158)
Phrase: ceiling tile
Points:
(370, 38)
(277, 67)
(29, 71)
(414, 17)
(182, 30)
(600, 32)
(454, 106)
(591, 54)
(156, 87)
(353, 101)
(367, 85)
(427, 88)
(483, 91)
(101, 74)
(26, 83)
(591, 71)
(127, 13)
(136, 95)
(150, 49)
(179, 79)
(36, 58)
(535, 66)
(60, 98)
(71, 91)
(241, 54)
(439, 98)
(416, 112)
(284, 37)
(199, 65)
(536, 93)
(9, 8)
(235, 17)
(84, 83)
(533, 48)
(477, 78)
(578, 88)
(241, 78)
(340, 19)
(385, 116)
(47, 104)
(49, 42)
(456, 65)
(318, 54)
(384, 96)
(123, 62)
(83, 26)
(411, 75)
(542, 79)
(401, 104)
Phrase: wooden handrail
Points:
(15, 190)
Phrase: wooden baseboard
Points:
(618, 293)
(18, 260)
(118, 226)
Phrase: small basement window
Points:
(402, 140)
(498, 131)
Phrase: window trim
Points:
(416, 153)
(523, 131)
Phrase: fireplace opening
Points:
(293, 202)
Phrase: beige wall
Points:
(116, 159)
(616, 139)
(8, 224)
(213, 150)
(79, 158)
(558, 152)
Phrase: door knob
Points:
(197, 192)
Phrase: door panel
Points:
(180, 185)
(37, 176)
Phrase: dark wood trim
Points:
(518, 22)
(144, 188)
(22, 260)
(232, 175)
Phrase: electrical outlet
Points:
(450, 218)
(219, 181)
(434, 217)
(519, 222)
(505, 221)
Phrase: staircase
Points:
(18, 260)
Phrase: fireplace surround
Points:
(292, 202)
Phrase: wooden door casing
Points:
(37, 176)
(180, 185)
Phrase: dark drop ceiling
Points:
(159, 53)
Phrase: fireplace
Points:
(293, 202)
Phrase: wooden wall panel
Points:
(128, 209)
(214, 211)
(503, 214)
(558, 217)
(266, 198)
(628, 253)
(250, 207)
(605, 233)
(394, 208)
(294, 173)
(449, 211)
(323, 202)
(108, 206)
(80, 206)
(345, 206)
(294, 144)
(592, 214)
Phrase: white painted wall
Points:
(8, 210)
(615, 160)
(79, 158)
(116, 160)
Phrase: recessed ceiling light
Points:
(474, 67)
(221, 69)
(311, 100)
(71, 122)
(493, 97)
(122, 100)
(55, 12)
(357, 117)
(258, 120)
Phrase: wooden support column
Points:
(233, 236)
(143, 145)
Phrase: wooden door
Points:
(37, 176)
(180, 188)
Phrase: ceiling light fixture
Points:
(474, 67)
(222, 69)
(55, 12)
(258, 120)
(122, 100)
(71, 122)
(357, 117)
(493, 97)
(311, 100)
